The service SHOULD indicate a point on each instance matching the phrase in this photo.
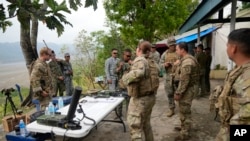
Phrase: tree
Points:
(147, 19)
(245, 5)
(91, 52)
(30, 12)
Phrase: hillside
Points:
(11, 52)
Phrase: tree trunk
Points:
(25, 42)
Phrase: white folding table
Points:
(95, 108)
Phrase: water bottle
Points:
(51, 109)
(22, 128)
(47, 111)
(60, 102)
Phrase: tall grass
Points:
(16, 100)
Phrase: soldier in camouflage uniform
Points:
(166, 62)
(202, 59)
(123, 67)
(155, 55)
(187, 88)
(40, 78)
(142, 95)
(68, 74)
(57, 76)
(234, 101)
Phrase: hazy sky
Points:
(84, 18)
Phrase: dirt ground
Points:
(204, 127)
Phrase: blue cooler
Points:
(11, 136)
(66, 100)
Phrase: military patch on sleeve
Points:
(187, 69)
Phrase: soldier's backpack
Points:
(154, 72)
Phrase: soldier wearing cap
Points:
(40, 78)
(166, 62)
(68, 75)
(155, 55)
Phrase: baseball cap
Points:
(171, 41)
(66, 54)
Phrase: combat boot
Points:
(170, 112)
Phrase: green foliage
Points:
(16, 101)
(3, 23)
(48, 11)
(245, 5)
(147, 19)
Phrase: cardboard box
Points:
(9, 122)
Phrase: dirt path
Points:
(204, 127)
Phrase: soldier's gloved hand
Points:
(177, 96)
(45, 94)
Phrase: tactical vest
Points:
(154, 74)
(143, 86)
(170, 57)
(227, 99)
(195, 76)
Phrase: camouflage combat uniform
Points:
(40, 80)
(67, 67)
(171, 57)
(187, 87)
(233, 102)
(125, 69)
(57, 84)
(202, 59)
(142, 100)
(155, 56)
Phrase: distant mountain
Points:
(12, 52)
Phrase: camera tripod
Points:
(13, 107)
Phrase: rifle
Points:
(45, 43)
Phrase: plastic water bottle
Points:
(60, 103)
(47, 111)
(22, 128)
(51, 109)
